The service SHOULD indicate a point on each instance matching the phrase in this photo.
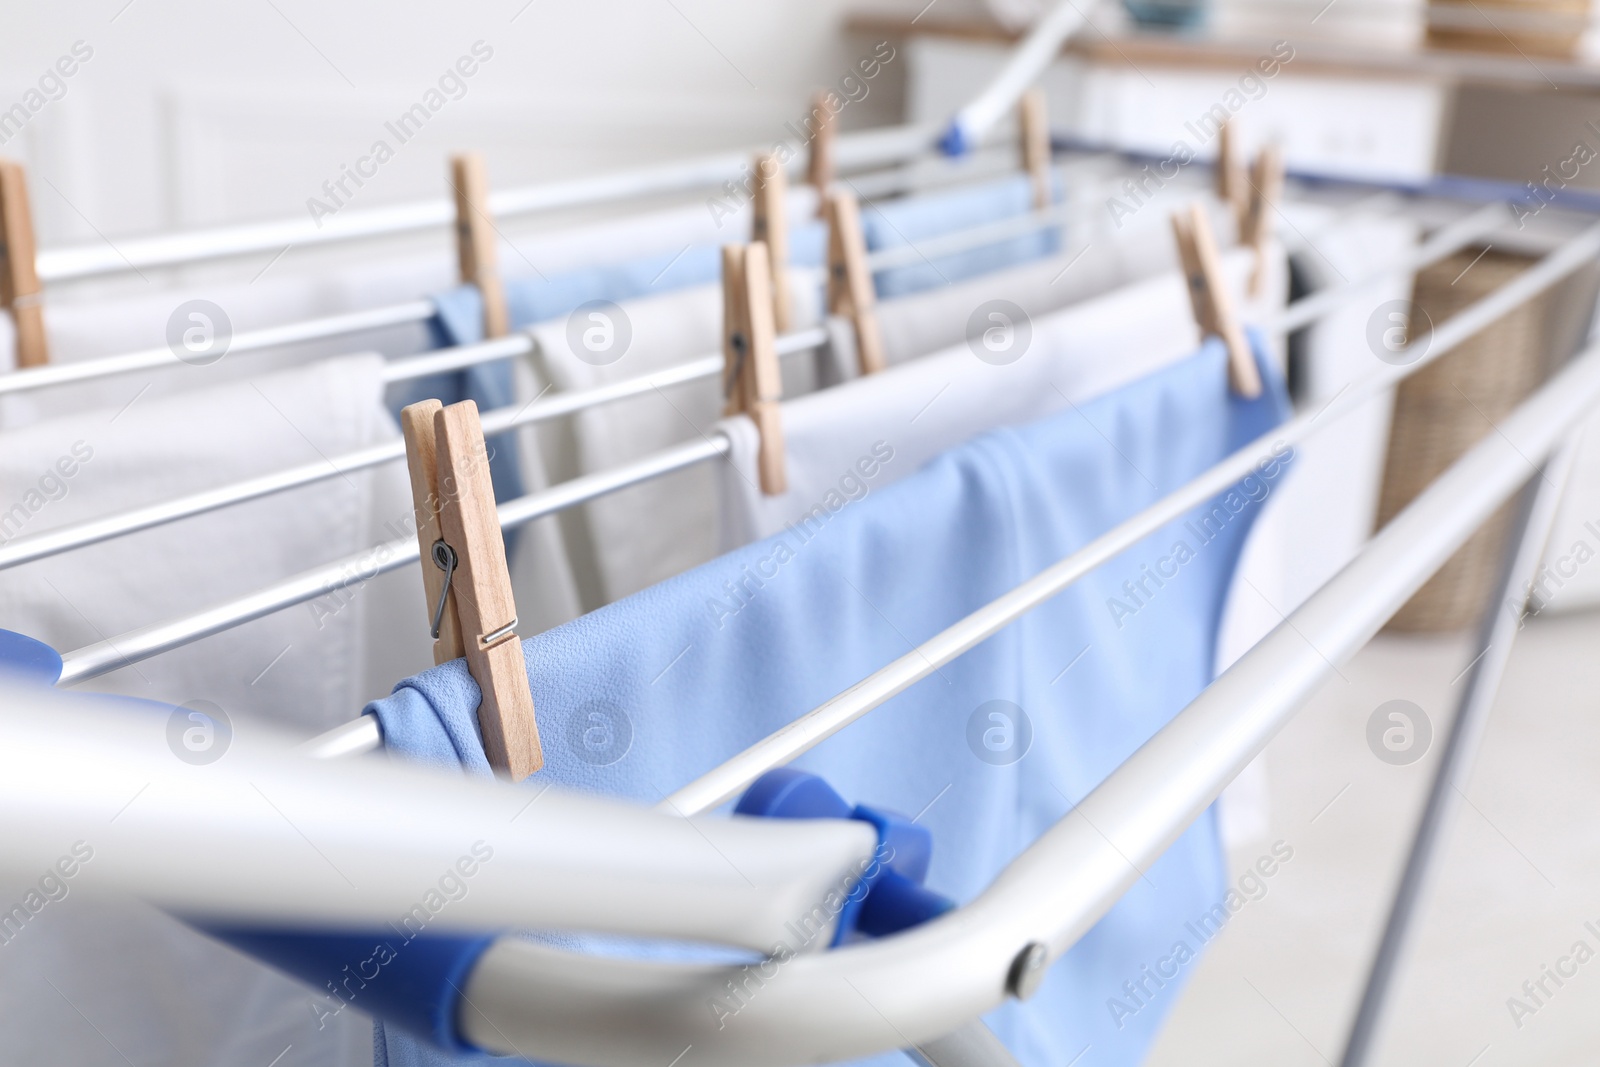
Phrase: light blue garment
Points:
(895, 223)
(642, 696)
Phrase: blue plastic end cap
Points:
(903, 846)
(413, 984)
(890, 896)
(954, 142)
(26, 660)
(897, 903)
(785, 793)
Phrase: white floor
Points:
(1519, 879)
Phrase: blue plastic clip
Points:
(890, 896)
(954, 141)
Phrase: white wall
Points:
(191, 113)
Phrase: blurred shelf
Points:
(1334, 58)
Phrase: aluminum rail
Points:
(505, 347)
(855, 1001)
(361, 735)
(1441, 243)
(229, 841)
(94, 531)
(869, 148)
(1027, 62)
(815, 726)
(1496, 635)
(962, 240)
(455, 358)
(107, 655)
(30, 378)
(91, 661)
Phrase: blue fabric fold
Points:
(640, 697)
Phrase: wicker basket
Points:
(1446, 407)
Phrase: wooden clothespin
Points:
(1214, 311)
(20, 293)
(769, 224)
(1266, 188)
(1034, 128)
(752, 380)
(464, 574)
(475, 240)
(1230, 175)
(819, 167)
(850, 289)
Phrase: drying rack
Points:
(65, 755)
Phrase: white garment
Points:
(80, 328)
(1323, 513)
(638, 536)
(155, 989)
(1320, 516)
(155, 449)
(927, 406)
(542, 578)
(84, 323)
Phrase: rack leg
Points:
(1497, 632)
(974, 1045)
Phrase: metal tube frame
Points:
(915, 987)
(1497, 633)
(1464, 496)
(24, 550)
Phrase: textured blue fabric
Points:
(895, 223)
(640, 697)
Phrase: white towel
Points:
(158, 991)
(641, 535)
(923, 407)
